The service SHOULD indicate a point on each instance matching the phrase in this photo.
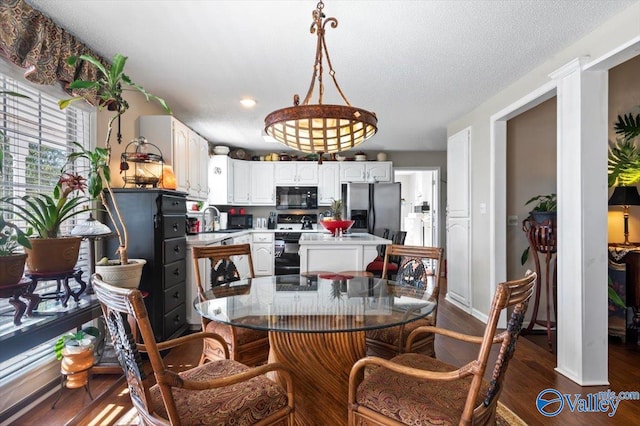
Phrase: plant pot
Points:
(542, 217)
(76, 363)
(126, 276)
(11, 269)
(53, 255)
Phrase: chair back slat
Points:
(118, 305)
(222, 266)
(514, 294)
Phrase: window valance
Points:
(35, 43)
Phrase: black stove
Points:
(287, 237)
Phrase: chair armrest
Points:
(357, 372)
(449, 333)
(168, 344)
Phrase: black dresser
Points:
(155, 221)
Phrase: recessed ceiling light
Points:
(248, 102)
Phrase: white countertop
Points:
(207, 238)
(324, 238)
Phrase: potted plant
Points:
(11, 259)
(544, 210)
(109, 86)
(44, 214)
(76, 350)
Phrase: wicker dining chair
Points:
(377, 265)
(420, 269)
(214, 393)
(248, 346)
(417, 389)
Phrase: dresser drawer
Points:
(170, 204)
(174, 296)
(174, 319)
(173, 226)
(174, 273)
(263, 237)
(174, 249)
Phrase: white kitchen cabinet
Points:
(181, 148)
(329, 188)
(198, 153)
(241, 262)
(296, 173)
(242, 182)
(262, 251)
(263, 190)
(366, 171)
(220, 174)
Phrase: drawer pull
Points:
(175, 203)
(177, 319)
(176, 272)
(177, 249)
(175, 226)
(176, 295)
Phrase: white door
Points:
(328, 183)
(241, 182)
(458, 262)
(458, 219)
(180, 139)
(262, 186)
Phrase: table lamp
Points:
(625, 196)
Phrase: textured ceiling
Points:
(417, 64)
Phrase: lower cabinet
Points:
(262, 252)
(155, 221)
(241, 263)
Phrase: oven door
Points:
(287, 258)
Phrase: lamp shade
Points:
(625, 196)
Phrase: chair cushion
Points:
(390, 335)
(413, 401)
(243, 334)
(240, 404)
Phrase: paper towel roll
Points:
(223, 220)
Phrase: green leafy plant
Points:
(110, 84)
(85, 337)
(544, 203)
(615, 297)
(11, 238)
(45, 213)
(624, 156)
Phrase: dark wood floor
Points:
(530, 372)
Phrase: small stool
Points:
(14, 292)
(62, 278)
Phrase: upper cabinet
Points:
(366, 171)
(328, 183)
(220, 180)
(301, 173)
(241, 182)
(181, 148)
(263, 190)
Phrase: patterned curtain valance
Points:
(34, 42)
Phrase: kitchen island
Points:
(350, 252)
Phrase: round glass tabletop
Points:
(312, 303)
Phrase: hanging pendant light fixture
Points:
(319, 128)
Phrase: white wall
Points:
(614, 33)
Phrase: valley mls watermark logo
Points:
(551, 402)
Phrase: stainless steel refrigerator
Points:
(373, 206)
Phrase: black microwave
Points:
(296, 197)
(240, 221)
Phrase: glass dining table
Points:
(317, 325)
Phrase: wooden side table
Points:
(62, 278)
(14, 293)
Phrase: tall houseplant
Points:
(110, 84)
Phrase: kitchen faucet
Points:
(210, 226)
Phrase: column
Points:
(582, 217)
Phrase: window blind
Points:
(35, 139)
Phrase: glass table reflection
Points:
(316, 325)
